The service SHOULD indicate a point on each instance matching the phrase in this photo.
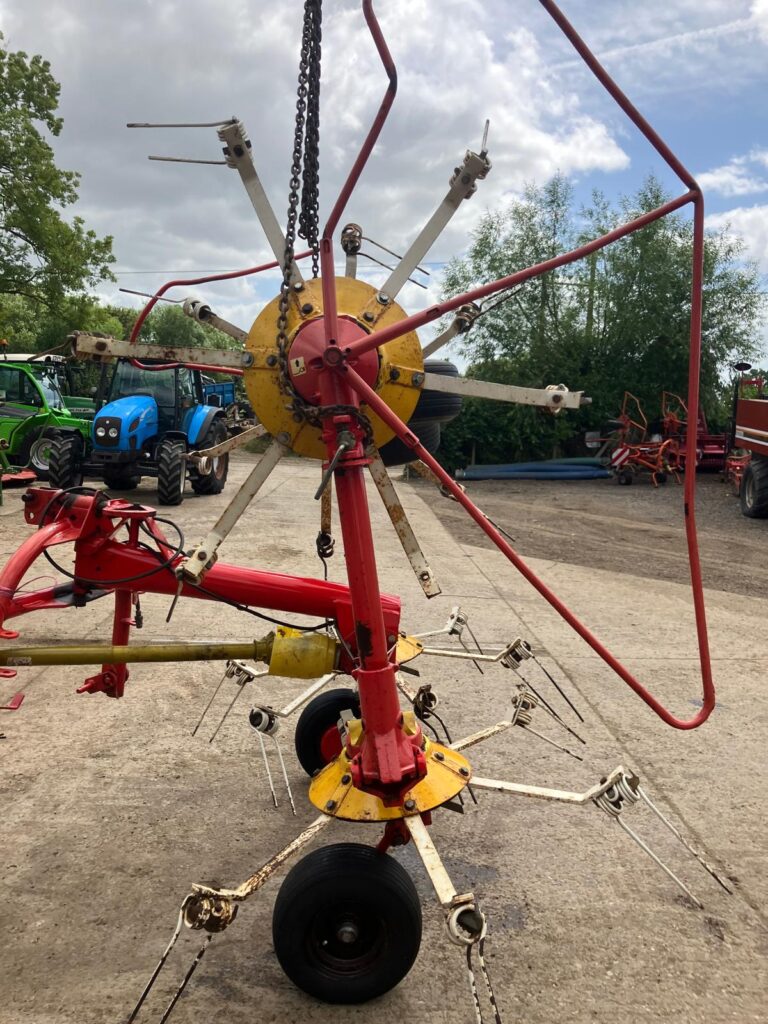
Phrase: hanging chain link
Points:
(304, 212)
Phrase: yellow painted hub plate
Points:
(340, 799)
(399, 360)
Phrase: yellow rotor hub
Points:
(401, 364)
(331, 790)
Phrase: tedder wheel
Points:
(64, 465)
(171, 472)
(753, 493)
(121, 481)
(347, 923)
(626, 476)
(317, 736)
(213, 482)
(397, 453)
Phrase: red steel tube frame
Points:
(377, 338)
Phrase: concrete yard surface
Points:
(111, 809)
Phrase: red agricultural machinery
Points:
(334, 369)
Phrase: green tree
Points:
(43, 256)
(616, 321)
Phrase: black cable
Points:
(165, 563)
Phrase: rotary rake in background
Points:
(333, 368)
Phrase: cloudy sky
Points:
(698, 70)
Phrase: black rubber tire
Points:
(171, 472)
(65, 467)
(354, 890)
(320, 715)
(753, 493)
(625, 476)
(397, 453)
(124, 480)
(661, 478)
(435, 406)
(28, 453)
(214, 482)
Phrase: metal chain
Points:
(304, 213)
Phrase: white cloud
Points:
(750, 223)
(759, 13)
(735, 177)
(169, 61)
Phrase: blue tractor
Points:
(149, 422)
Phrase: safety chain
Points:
(304, 213)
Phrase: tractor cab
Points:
(151, 419)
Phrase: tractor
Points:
(153, 416)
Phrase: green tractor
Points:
(32, 412)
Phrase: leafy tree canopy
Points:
(42, 255)
(617, 321)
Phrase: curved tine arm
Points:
(382, 410)
(412, 323)
(231, 275)
(378, 121)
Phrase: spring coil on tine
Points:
(523, 704)
(623, 791)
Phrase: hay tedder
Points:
(334, 369)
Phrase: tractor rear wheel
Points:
(753, 493)
(65, 462)
(213, 482)
(347, 923)
(171, 472)
(317, 738)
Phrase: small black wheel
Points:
(171, 472)
(397, 453)
(626, 477)
(347, 924)
(121, 480)
(437, 406)
(661, 478)
(213, 482)
(753, 493)
(317, 737)
(64, 461)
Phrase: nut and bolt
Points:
(464, 772)
(394, 373)
(410, 805)
(202, 555)
(417, 379)
(383, 299)
(424, 576)
(368, 317)
(346, 779)
(439, 755)
(330, 805)
(307, 308)
(271, 360)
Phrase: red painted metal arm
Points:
(201, 280)
(381, 409)
(412, 323)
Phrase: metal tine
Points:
(161, 961)
(386, 266)
(240, 688)
(694, 853)
(391, 252)
(285, 773)
(182, 124)
(552, 743)
(186, 978)
(550, 710)
(477, 665)
(266, 766)
(559, 689)
(668, 871)
(207, 706)
(186, 160)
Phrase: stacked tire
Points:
(434, 410)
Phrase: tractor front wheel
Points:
(171, 472)
(347, 923)
(64, 462)
(213, 482)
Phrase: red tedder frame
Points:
(388, 760)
